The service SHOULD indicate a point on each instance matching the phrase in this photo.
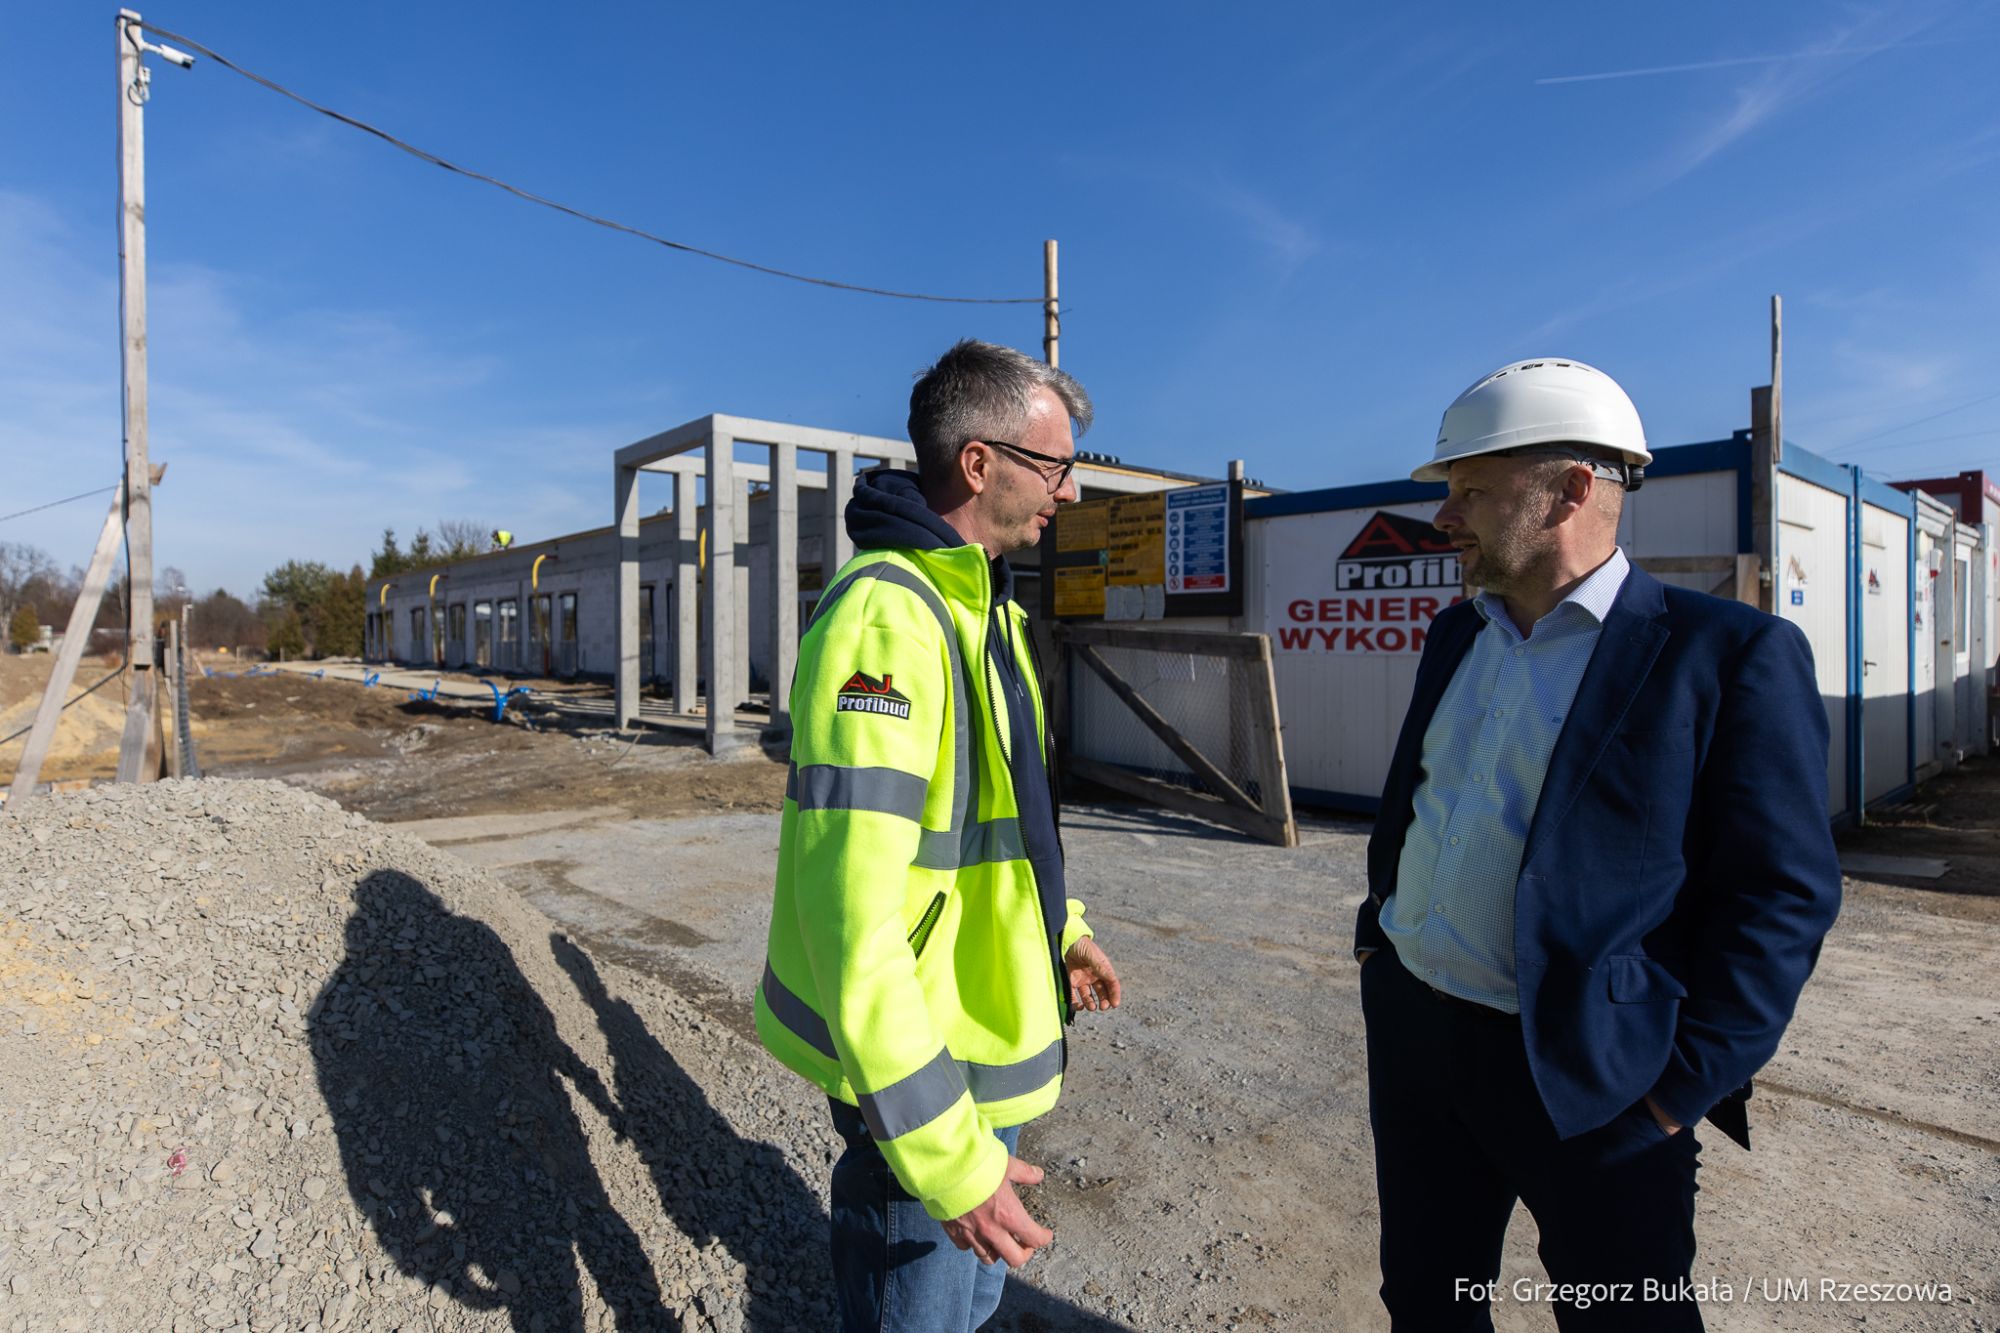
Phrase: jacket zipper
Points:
(1063, 1011)
(921, 935)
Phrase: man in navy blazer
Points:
(1599, 879)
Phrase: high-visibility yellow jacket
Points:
(912, 971)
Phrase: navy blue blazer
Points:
(1679, 872)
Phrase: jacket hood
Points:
(888, 513)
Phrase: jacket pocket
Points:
(1637, 979)
(921, 935)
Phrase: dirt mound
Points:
(272, 1066)
(86, 740)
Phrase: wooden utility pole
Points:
(134, 84)
(1051, 311)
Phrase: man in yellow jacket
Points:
(924, 957)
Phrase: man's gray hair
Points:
(982, 391)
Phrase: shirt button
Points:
(1499, 712)
(1438, 908)
(1430, 971)
(1479, 777)
(1454, 840)
(1520, 652)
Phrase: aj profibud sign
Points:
(1389, 575)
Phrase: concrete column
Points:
(687, 568)
(836, 546)
(719, 610)
(524, 610)
(626, 667)
(784, 501)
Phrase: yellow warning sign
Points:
(1136, 540)
(1080, 590)
(1081, 527)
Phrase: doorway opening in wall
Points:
(482, 634)
(648, 668)
(538, 635)
(566, 654)
(417, 636)
(454, 648)
(507, 646)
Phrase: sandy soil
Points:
(86, 741)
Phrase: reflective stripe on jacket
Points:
(909, 971)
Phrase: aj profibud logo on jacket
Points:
(863, 693)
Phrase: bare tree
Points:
(458, 538)
(21, 568)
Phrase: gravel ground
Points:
(270, 1066)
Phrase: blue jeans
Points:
(894, 1269)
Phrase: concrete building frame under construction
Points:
(636, 600)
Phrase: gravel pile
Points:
(270, 1066)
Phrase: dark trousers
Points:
(1460, 1135)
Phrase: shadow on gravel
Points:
(446, 1079)
(714, 1184)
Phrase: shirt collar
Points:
(1594, 596)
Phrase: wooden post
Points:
(1777, 378)
(1767, 449)
(81, 617)
(1051, 310)
(132, 306)
(170, 710)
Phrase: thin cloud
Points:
(290, 433)
(1732, 62)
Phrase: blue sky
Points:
(1290, 233)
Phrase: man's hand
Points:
(1000, 1228)
(1667, 1123)
(1093, 984)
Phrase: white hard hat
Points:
(1542, 402)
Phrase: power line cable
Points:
(23, 513)
(533, 198)
(1897, 430)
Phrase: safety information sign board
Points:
(1198, 540)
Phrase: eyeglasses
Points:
(1055, 480)
(1631, 476)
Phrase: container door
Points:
(1885, 650)
(1812, 594)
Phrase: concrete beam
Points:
(784, 518)
(719, 610)
(680, 439)
(687, 561)
(681, 465)
(837, 546)
(625, 505)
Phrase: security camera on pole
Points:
(134, 86)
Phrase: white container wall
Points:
(1346, 581)
(1887, 625)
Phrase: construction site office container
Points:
(1346, 581)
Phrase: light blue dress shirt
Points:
(1486, 753)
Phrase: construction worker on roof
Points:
(924, 957)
